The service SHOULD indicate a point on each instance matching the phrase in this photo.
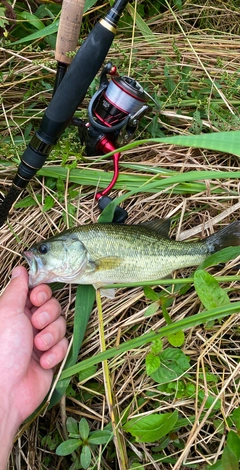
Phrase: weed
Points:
(82, 441)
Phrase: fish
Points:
(107, 253)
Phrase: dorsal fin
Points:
(160, 226)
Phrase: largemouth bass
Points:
(101, 254)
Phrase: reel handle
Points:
(120, 214)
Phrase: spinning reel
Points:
(114, 113)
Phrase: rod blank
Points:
(68, 96)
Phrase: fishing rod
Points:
(66, 99)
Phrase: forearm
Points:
(8, 429)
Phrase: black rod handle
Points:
(8, 202)
(76, 81)
(67, 98)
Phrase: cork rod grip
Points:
(69, 29)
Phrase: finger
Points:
(40, 294)
(46, 314)
(55, 355)
(50, 335)
(14, 298)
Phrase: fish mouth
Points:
(35, 275)
(28, 256)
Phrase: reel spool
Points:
(120, 103)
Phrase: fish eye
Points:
(43, 249)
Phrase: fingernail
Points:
(50, 359)
(47, 339)
(16, 272)
(41, 297)
(43, 319)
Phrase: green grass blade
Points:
(191, 181)
(166, 282)
(85, 298)
(227, 142)
(42, 33)
(142, 25)
(50, 29)
(184, 324)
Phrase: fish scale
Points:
(101, 254)
(150, 256)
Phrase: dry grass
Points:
(212, 349)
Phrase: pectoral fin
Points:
(109, 262)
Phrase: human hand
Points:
(32, 343)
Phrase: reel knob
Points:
(120, 214)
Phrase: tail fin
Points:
(228, 236)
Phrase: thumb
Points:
(14, 298)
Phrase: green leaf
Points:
(100, 437)
(48, 203)
(136, 466)
(176, 339)
(84, 428)
(32, 19)
(3, 20)
(156, 346)
(217, 466)
(173, 364)
(153, 308)
(222, 256)
(28, 201)
(209, 400)
(236, 417)
(150, 293)
(178, 4)
(233, 442)
(88, 4)
(229, 459)
(67, 447)
(50, 29)
(85, 458)
(87, 373)
(152, 363)
(209, 291)
(72, 425)
(153, 427)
